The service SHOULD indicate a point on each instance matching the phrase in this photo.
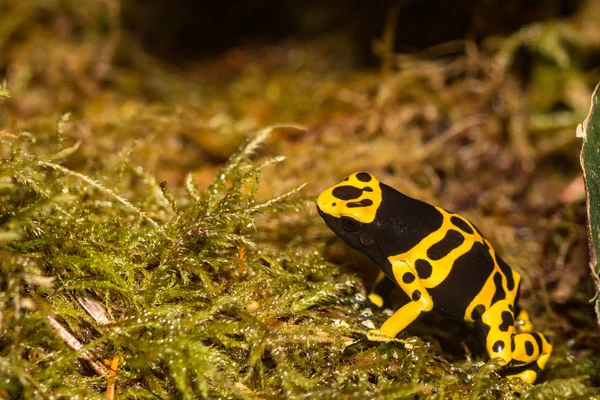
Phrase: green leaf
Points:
(589, 130)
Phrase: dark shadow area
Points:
(187, 29)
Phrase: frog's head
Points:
(350, 208)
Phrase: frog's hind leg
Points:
(523, 353)
(497, 328)
(530, 356)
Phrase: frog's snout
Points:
(327, 204)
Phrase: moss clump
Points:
(170, 279)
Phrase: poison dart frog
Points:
(442, 262)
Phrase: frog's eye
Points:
(350, 224)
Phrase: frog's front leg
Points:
(408, 280)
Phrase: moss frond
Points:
(193, 305)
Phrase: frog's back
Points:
(455, 262)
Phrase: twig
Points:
(388, 38)
(438, 142)
(95, 309)
(8, 135)
(76, 345)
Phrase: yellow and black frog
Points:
(442, 262)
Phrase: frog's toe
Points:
(375, 335)
(372, 337)
(356, 342)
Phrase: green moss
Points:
(168, 276)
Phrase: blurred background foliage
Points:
(471, 105)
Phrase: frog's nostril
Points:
(333, 204)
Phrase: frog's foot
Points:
(527, 372)
(371, 338)
(528, 375)
(375, 335)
